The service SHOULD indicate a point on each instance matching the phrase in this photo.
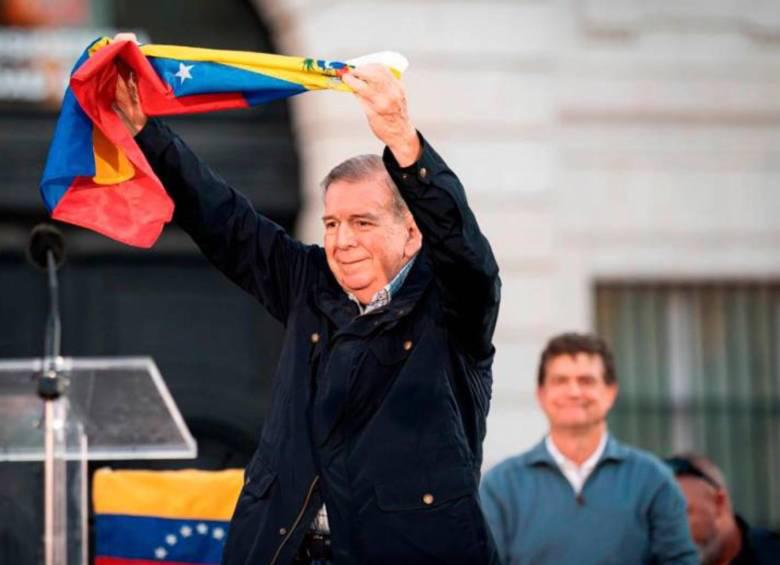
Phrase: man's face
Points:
(366, 241)
(573, 394)
(704, 516)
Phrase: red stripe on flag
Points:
(133, 212)
(193, 104)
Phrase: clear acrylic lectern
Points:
(111, 408)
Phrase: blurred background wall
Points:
(621, 155)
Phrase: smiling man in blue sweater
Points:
(580, 496)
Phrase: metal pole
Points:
(48, 473)
(50, 389)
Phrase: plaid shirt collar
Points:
(384, 295)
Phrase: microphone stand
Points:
(51, 386)
(53, 327)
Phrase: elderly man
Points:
(721, 535)
(580, 496)
(383, 384)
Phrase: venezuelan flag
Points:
(163, 517)
(96, 176)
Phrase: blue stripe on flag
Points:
(71, 152)
(202, 77)
(161, 539)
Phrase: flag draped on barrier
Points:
(96, 176)
(163, 517)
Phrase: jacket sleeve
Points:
(465, 270)
(670, 538)
(248, 248)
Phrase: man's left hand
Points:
(384, 101)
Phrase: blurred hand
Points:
(127, 103)
(384, 102)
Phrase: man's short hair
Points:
(573, 343)
(366, 167)
(697, 465)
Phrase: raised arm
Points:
(247, 247)
(465, 270)
(251, 250)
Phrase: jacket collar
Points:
(332, 301)
(538, 455)
(385, 295)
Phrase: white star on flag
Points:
(184, 72)
(185, 531)
(218, 533)
(202, 528)
(170, 539)
(160, 553)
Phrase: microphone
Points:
(45, 238)
(46, 251)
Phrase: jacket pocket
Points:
(258, 478)
(425, 490)
(258, 486)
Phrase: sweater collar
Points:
(539, 454)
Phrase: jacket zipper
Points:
(297, 520)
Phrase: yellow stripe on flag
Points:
(111, 164)
(188, 494)
(99, 44)
(297, 70)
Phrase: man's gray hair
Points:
(366, 167)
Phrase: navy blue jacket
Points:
(381, 416)
(759, 545)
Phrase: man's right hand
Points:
(127, 103)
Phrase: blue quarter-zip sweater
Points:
(630, 510)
